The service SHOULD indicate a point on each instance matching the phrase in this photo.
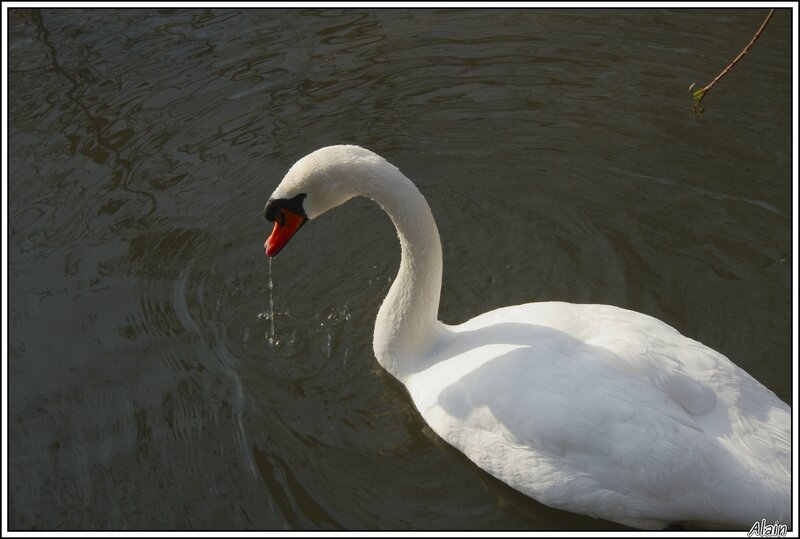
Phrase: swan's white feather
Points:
(610, 413)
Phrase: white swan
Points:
(587, 408)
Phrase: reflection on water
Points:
(153, 383)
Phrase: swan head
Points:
(315, 184)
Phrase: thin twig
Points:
(701, 93)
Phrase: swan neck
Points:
(406, 327)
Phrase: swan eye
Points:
(273, 211)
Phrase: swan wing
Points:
(611, 413)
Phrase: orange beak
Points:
(286, 225)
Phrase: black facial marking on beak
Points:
(272, 211)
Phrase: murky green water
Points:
(560, 158)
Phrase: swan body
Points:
(592, 409)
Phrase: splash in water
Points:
(271, 307)
(272, 337)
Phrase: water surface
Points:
(558, 153)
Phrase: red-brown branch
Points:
(700, 94)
